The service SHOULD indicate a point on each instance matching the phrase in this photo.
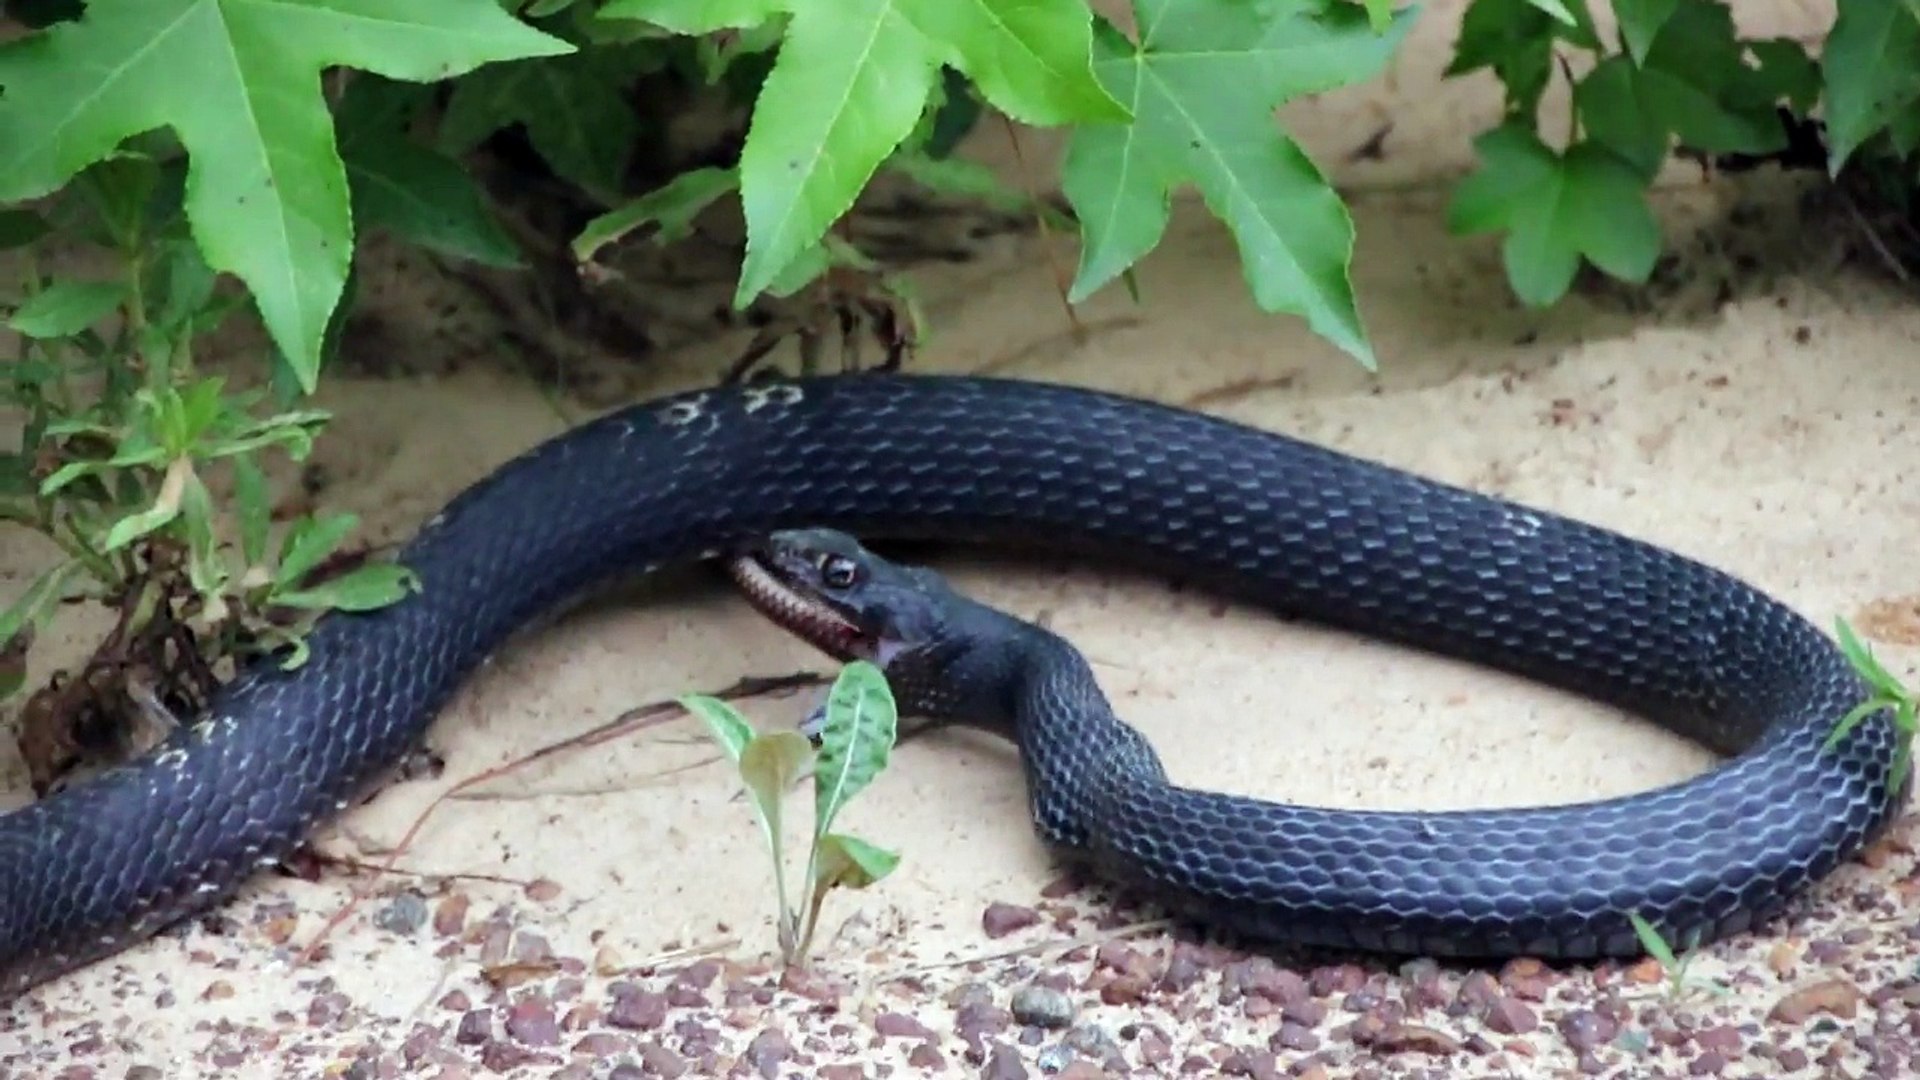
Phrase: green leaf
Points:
(67, 307)
(1860, 655)
(165, 508)
(364, 588)
(673, 206)
(848, 862)
(1785, 71)
(850, 83)
(1872, 67)
(1694, 83)
(1699, 79)
(120, 189)
(960, 177)
(856, 739)
(183, 287)
(723, 721)
(1556, 209)
(239, 82)
(37, 603)
(1621, 111)
(1202, 85)
(1554, 8)
(573, 109)
(769, 764)
(694, 17)
(19, 228)
(204, 566)
(254, 509)
(1514, 39)
(308, 543)
(1651, 941)
(16, 475)
(423, 197)
(1640, 22)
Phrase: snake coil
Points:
(1282, 523)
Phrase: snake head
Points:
(823, 587)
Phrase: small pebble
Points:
(894, 1025)
(1586, 1030)
(476, 1026)
(450, 917)
(1416, 1037)
(1042, 1006)
(657, 1060)
(1511, 1016)
(999, 920)
(1004, 1064)
(402, 915)
(1835, 997)
(636, 1009)
(767, 1050)
(531, 1021)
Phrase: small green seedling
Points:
(1674, 966)
(1885, 692)
(859, 728)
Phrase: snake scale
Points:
(1296, 528)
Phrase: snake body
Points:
(1300, 529)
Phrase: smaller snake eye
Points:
(838, 571)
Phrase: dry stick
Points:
(1061, 944)
(1873, 237)
(1062, 281)
(620, 726)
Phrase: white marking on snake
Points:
(683, 412)
(755, 398)
(171, 758)
(1523, 523)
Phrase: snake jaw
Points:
(806, 617)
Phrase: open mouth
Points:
(799, 612)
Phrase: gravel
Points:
(1833, 991)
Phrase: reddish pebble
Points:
(999, 920)
(531, 1021)
(1585, 1029)
(635, 1008)
(1341, 979)
(1416, 1037)
(1511, 1016)
(476, 1026)
(1183, 968)
(893, 1025)
(450, 916)
(1725, 1038)
(1836, 997)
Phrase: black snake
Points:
(1297, 528)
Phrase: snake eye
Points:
(838, 571)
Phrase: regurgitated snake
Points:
(1297, 528)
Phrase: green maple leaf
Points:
(1557, 208)
(573, 109)
(1694, 83)
(1640, 22)
(1514, 38)
(851, 81)
(1872, 65)
(1202, 84)
(238, 81)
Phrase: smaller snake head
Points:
(944, 654)
(822, 586)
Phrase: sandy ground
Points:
(607, 912)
